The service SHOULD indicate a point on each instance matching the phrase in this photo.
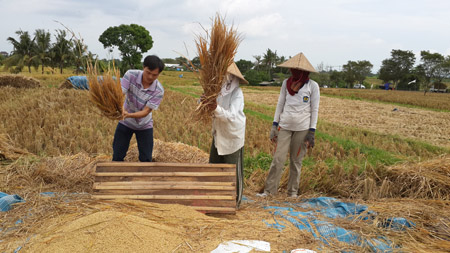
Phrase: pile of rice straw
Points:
(66, 84)
(7, 149)
(106, 92)
(216, 52)
(171, 152)
(428, 179)
(76, 173)
(19, 81)
(30, 175)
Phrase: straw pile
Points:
(8, 151)
(428, 179)
(216, 51)
(173, 152)
(66, 84)
(19, 81)
(57, 174)
(75, 173)
(106, 92)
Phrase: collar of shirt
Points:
(152, 86)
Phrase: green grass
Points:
(259, 115)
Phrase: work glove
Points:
(309, 139)
(273, 133)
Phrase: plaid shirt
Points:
(136, 98)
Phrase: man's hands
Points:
(309, 139)
(273, 133)
(125, 114)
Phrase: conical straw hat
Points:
(234, 70)
(298, 62)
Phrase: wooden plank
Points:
(164, 192)
(162, 197)
(156, 179)
(195, 202)
(163, 169)
(120, 183)
(213, 208)
(162, 187)
(159, 164)
(164, 174)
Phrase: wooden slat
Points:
(212, 208)
(164, 192)
(161, 179)
(123, 183)
(119, 168)
(163, 187)
(164, 174)
(195, 202)
(157, 164)
(162, 197)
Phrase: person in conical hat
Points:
(294, 124)
(228, 126)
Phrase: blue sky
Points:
(330, 32)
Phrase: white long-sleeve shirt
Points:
(298, 112)
(228, 124)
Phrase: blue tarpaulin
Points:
(79, 82)
(7, 200)
(332, 208)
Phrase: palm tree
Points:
(61, 50)
(23, 52)
(79, 54)
(270, 59)
(42, 46)
(257, 62)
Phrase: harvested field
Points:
(73, 221)
(80, 224)
(431, 100)
(419, 124)
(401, 172)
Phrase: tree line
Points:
(134, 40)
(399, 70)
(37, 49)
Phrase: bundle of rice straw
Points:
(215, 56)
(106, 92)
(19, 81)
(8, 151)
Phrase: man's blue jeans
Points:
(122, 138)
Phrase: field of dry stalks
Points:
(375, 147)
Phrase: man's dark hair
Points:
(153, 62)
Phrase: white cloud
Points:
(328, 31)
(262, 26)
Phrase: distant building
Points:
(177, 67)
(3, 53)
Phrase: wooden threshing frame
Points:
(208, 188)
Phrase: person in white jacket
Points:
(228, 127)
(294, 124)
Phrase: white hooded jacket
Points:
(228, 126)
